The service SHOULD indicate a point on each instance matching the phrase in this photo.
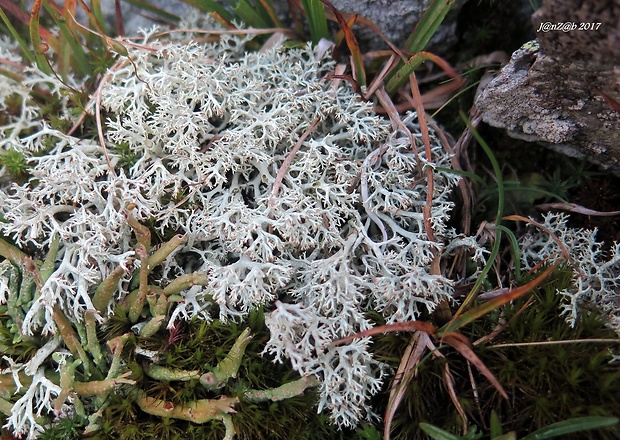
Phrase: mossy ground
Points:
(545, 383)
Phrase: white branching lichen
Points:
(595, 276)
(319, 230)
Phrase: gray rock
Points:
(135, 18)
(395, 18)
(566, 91)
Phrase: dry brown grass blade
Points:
(221, 20)
(347, 78)
(464, 184)
(562, 342)
(99, 123)
(403, 377)
(337, 77)
(378, 81)
(419, 107)
(396, 121)
(449, 381)
(443, 309)
(339, 37)
(272, 41)
(462, 345)
(13, 9)
(502, 324)
(356, 54)
(408, 326)
(436, 97)
(495, 303)
(573, 207)
(289, 158)
(365, 22)
(120, 23)
(554, 237)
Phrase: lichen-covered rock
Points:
(567, 92)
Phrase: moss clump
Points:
(194, 346)
(546, 383)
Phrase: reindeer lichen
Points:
(288, 193)
(595, 274)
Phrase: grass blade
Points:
(22, 43)
(408, 326)
(428, 24)
(515, 250)
(317, 21)
(461, 344)
(569, 426)
(495, 430)
(95, 7)
(254, 15)
(210, 6)
(492, 304)
(498, 218)
(35, 38)
(563, 249)
(573, 207)
(270, 10)
(73, 54)
(437, 433)
(147, 6)
(417, 41)
(402, 73)
(358, 63)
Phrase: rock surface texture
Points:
(395, 18)
(565, 89)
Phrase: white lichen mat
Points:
(290, 193)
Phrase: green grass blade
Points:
(317, 21)
(495, 430)
(515, 250)
(428, 24)
(417, 41)
(95, 7)
(437, 433)
(498, 219)
(74, 52)
(22, 43)
(210, 6)
(271, 12)
(254, 15)
(402, 73)
(569, 426)
(35, 38)
(516, 186)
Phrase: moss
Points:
(545, 383)
(196, 345)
